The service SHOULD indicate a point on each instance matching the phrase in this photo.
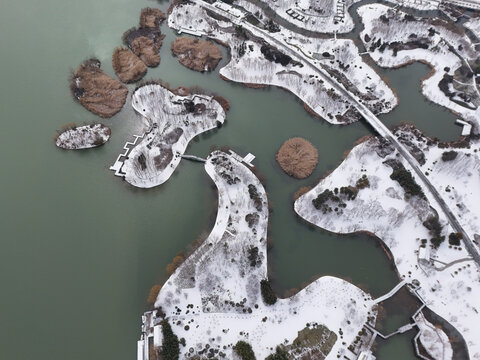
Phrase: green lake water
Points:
(80, 248)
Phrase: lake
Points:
(80, 248)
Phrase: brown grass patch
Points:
(297, 157)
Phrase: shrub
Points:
(244, 350)
(98, 140)
(252, 219)
(320, 202)
(257, 200)
(449, 155)
(152, 296)
(272, 54)
(435, 230)
(268, 295)
(271, 26)
(241, 32)
(170, 344)
(454, 239)
(253, 255)
(363, 182)
(349, 191)
(177, 261)
(279, 354)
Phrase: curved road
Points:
(367, 114)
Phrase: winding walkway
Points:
(366, 113)
(390, 293)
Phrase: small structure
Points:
(366, 355)
(248, 159)
(424, 254)
(140, 349)
(157, 336)
(467, 127)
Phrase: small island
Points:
(128, 66)
(297, 157)
(83, 137)
(195, 54)
(171, 121)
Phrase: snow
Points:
(214, 297)
(447, 48)
(327, 16)
(345, 65)
(171, 126)
(449, 284)
(433, 339)
(418, 4)
(474, 25)
(83, 137)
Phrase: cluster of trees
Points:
(337, 196)
(349, 192)
(242, 48)
(241, 32)
(271, 26)
(320, 202)
(454, 239)
(449, 155)
(252, 219)
(253, 256)
(272, 54)
(268, 295)
(170, 344)
(407, 182)
(280, 354)
(435, 230)
(363, 182)
(244, 350)
(257, 200)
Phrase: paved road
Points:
(368, 115)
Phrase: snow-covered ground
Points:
(214, 298)
(418, 4)
(433, 339)
(326, 16)
(83, 137)
(439, 43)
(449, 281)
(339, 59)
(173, 121)
(474, 25)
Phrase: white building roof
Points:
(157, 336)
(424, 253)
(366, 355)
(140, 350)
